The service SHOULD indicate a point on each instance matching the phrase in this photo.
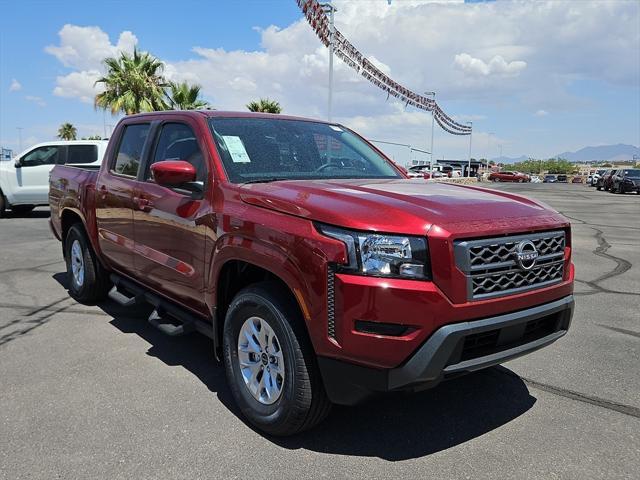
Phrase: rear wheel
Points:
(270, 363)
(88, 282)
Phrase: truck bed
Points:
(71, 187)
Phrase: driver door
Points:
(31, 181)
(169, 226)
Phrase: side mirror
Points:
(173, 173)
(18, 163)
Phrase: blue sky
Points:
(538, 78)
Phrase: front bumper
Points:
(452, 350)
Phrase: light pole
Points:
(470, 137)
(329, 8)
(433, 121)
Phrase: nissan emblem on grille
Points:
(526, 254)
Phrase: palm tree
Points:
(67, 132)
(182, 96)
(133, 84)
(265, 105)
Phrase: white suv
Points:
(24, 181)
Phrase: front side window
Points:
(82, 154)
(41, 156)
(130, 149)
(264, 149)
(632, 173)
(178, 142)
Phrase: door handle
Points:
(143, 204)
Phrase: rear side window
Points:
(82, 154)
(130, 149)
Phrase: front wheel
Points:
(270, 363)
(3, 205)
(88, 282)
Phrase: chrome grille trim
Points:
(331, 309)
(491, 269)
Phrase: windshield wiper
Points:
(266, 180)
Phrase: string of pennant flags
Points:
(317, 18)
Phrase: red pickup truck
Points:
(322, 274)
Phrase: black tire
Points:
(95, 282)
(22, 209)
(3, 205)
(302, 402)
(598, 187)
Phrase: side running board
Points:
(167, 317)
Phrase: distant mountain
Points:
(608, 153)
(601, 153)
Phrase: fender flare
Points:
(264, 255)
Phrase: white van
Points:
(24, 181)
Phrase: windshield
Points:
(265, 149)
(632, 173)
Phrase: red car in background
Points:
(509, 177)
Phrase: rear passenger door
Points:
(114, 196)
(169, 234)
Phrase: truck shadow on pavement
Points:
(393, 427)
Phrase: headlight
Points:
(382, 255)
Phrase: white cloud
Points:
(84, 49)
(496, 66)
(37, 100)
(15, 85)
(78, 85)
(541, 113)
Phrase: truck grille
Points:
(492, 268)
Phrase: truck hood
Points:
(401, 206)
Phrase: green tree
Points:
(92, 137)
(133, 84)
(182, 96)
(265, 105)
(67, 132)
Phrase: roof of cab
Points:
(223, 114)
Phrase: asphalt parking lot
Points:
(96, 392)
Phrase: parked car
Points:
(607, 179)
(576, 179)
(24, 182)
(561, 178)
(508, 177)
(435, 174)
(535, 179)
(600, 182)
(417, 171)
(625, 180)
(550, 179)
(264, 232)
(593, 179)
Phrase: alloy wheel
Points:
(261, 360)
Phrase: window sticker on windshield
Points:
(336, 128)
(236, 149)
